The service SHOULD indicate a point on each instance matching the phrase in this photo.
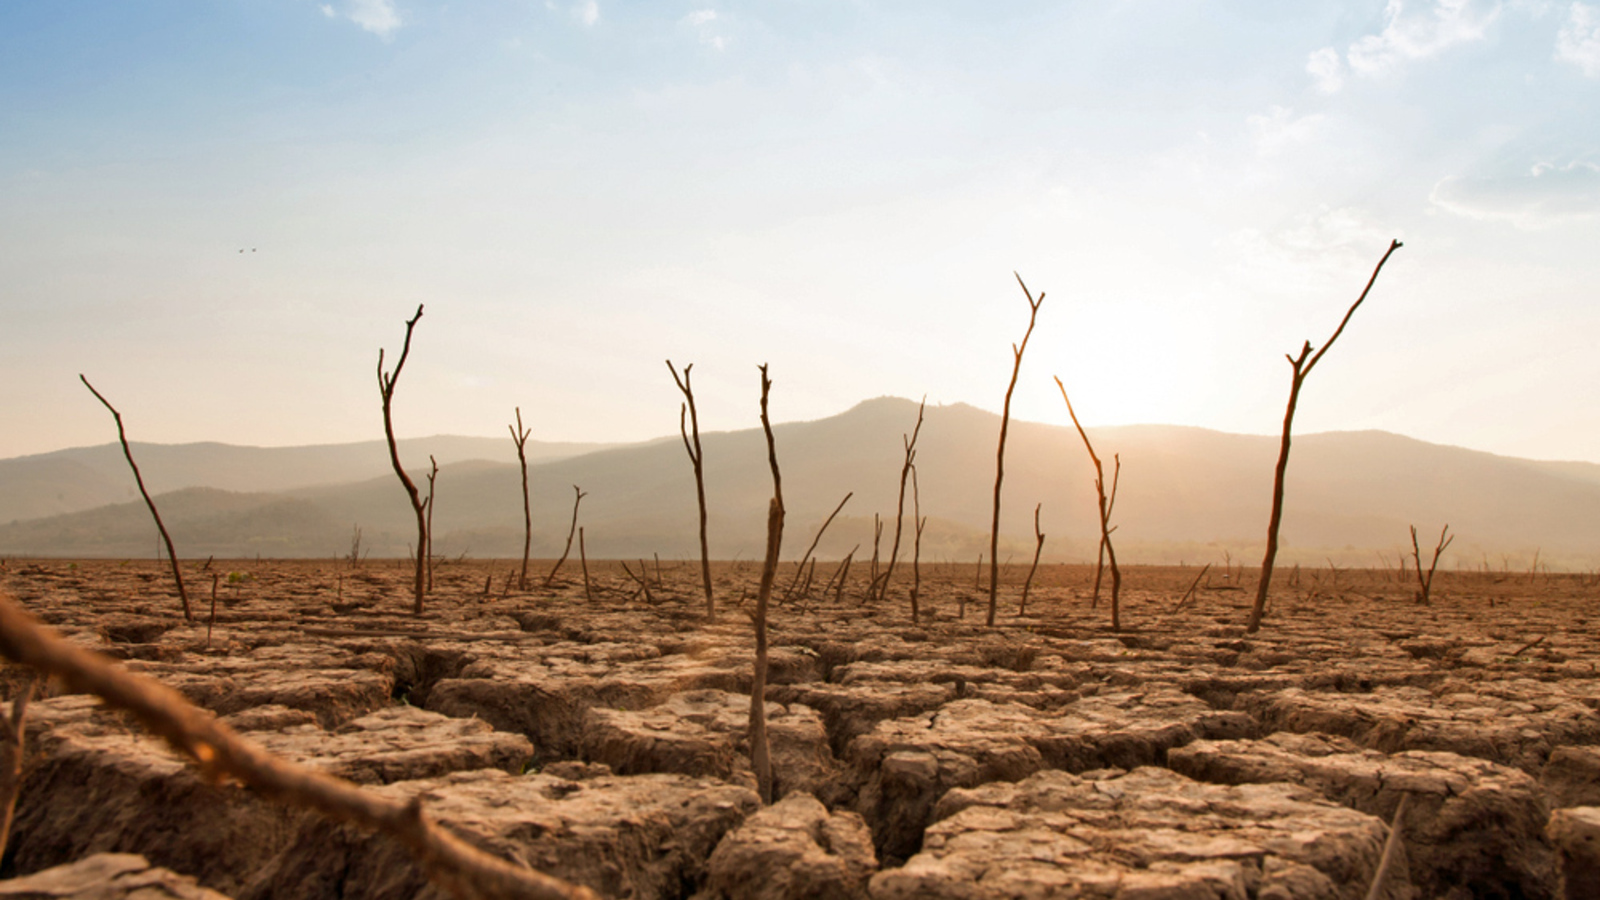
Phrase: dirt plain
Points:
(600, 735)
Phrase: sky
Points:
(219, 212)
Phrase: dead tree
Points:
(691, 443)
(427, 553)
(1000, 453)
(881, 588)
(520, 436)
(583, 556)
(386, 385)
(788, 591)
(1425, 582)
(1107, 502)
(1301, 366)
(760, 753)
(221, 753)
(172, 555)
(577, 498)
(916, 545)
(1038, 548)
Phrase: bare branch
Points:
(1000, 451)
(697, 460)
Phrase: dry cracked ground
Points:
(600, 734)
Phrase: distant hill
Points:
(81, 478)
(1186, 494)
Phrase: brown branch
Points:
(172, 555)
(433, 475)
(570, 532)
(1390, 846)
(520, 436)
(386, 386)
(1038, 548)
(910, 443)
(217, 750)
(1193, 587)
(814, 542)
(696, 459)
(13, 733)
(1301, 368)
(1106, 503)
(760, 753)
(583, 556)
(1000, 453)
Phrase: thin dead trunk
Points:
(760, 753)
(427, 554)
(583, 555)
(691, 443)
(1038, 548)
(13, 737)
(814, 542)
(1301, 367)
(916, 546)
(386, 386)
(172, 555)
(577, 498)
(520, 436)
(1000, 452)
(900, 505)
(1425, 582)
(1106, 503)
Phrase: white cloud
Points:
(701, 20)
(1327, 69)
(1546, 194)
(586, 12)
(1279, 129)
(376, 16)
(1579, 40)
(1419, 34)
(1307, 253)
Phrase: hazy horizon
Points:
(219, 214)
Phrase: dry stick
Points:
(570, 532)
(12, 737)
(433, 474)
(1193, 586)
(1038, 548)
(882, 587)
(1301, 368)
(1530, 645)
(839, 576)
(1389, 846)
(519, 435)
(697, 459)
(450, 862)
(583, 556)
(1425, 583)
(1106, 505)
(172, 555)
(386, 385)
(1000, 453)
(760, 754)
(209, 625)
(920, 523)
(877, 538)
(814, 542)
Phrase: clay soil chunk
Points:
(1572, 776)
(1518, 730)
(1148, 834)
(642, 837)
(794, 850)
(705, 733)
(1576, 833)
(106, 876)
(1472, 828)
(904, 765)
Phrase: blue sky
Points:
(842, 189)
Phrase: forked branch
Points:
(519, 435)
(172, 555)
(1107, 502)
(386, 386)
(1000, 452)
(452, 863)
(760, 752)
(1425, 582)
(690, 430)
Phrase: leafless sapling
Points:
(583, 557)
(814, 542)
(1301, 366)
(760, 753)
(386, 386)
(1425, 582)
(578, 496)
(433, 476)
(13, 738)
(1038, 548)
(881, 588)
(172, 555)
(691, 443)
(1000, 452)
(520, 436)
(1106, 502)
(219, 752)
(916, 546)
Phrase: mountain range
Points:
(1185, 494)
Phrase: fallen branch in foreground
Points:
(453, 864)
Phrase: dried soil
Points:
(603, 738)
